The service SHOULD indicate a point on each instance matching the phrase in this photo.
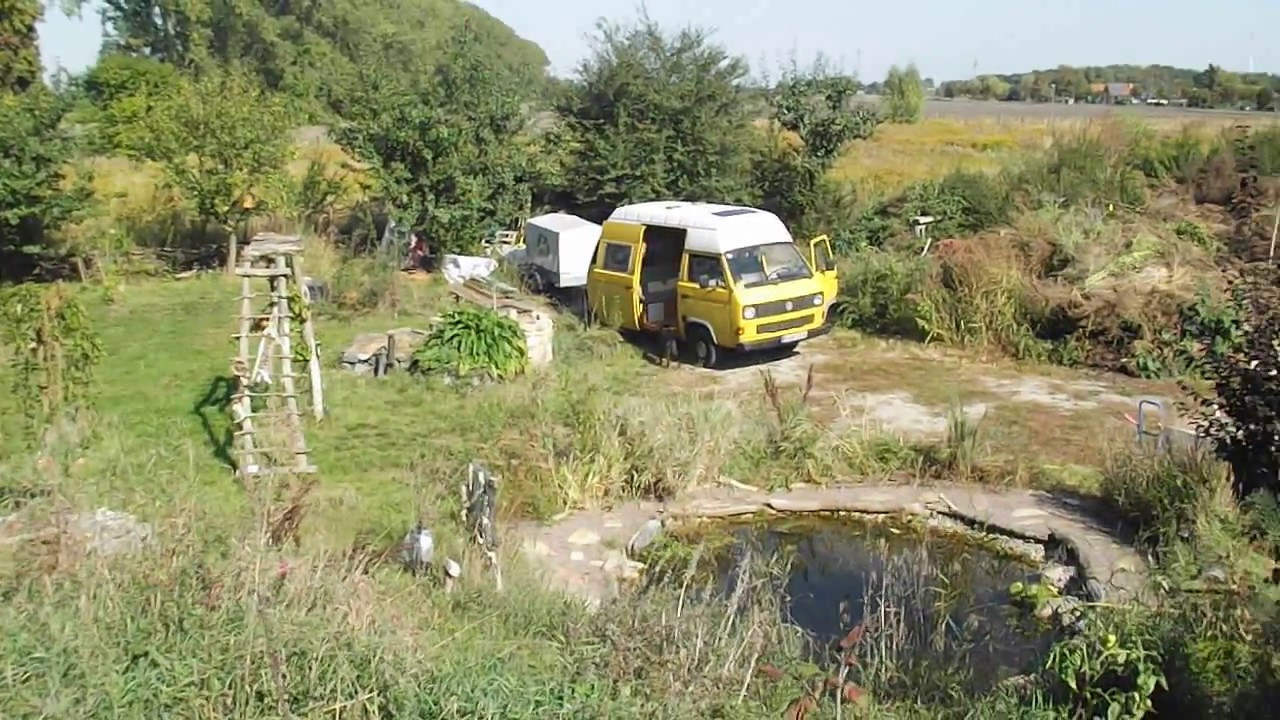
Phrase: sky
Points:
(946, 39)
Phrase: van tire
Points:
(702, 348)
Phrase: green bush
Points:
(877, 292)
(473, 341)
(1085, 170)
(962, 202)
(1166, 496)
(1266, 148)
(1177, 158)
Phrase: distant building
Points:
(1117, 93)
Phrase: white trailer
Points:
(558, 250)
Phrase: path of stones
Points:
(588, 553)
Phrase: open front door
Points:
(613, 285)
(824, 268)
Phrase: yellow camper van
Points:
(717, 277)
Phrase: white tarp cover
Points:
(460, 268)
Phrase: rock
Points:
(109, 532)
(1097, 592)
(359, 355)
(583, 536)
(1057, 576)
(644, 537)
(616, 563)
(1214, 574)
(1066, 610)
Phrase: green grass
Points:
(203, 625)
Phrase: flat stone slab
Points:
(585, 552)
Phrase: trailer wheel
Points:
(702, 347)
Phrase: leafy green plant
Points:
(1109, 672)
(54, 351)
(1196, 233)
(877, 293)
(473, 341)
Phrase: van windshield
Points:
(769, 263)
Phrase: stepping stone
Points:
(583, 537)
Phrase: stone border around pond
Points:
(584, 549)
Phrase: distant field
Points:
(1048, 112)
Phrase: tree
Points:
(1265, 98)
(818, 106)
(220, 140)
(36, 196)
(446, 152)
(1241, 413)
(790, 178)
(19, 53)
(312, 50)
(652, 115)
(124, 89)
(904, 102)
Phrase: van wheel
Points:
(702, 347)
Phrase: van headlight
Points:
(817, 300)
(748, 312)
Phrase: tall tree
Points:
(904, 95)
(312, 50)
(220, 140)
(37, 197)
(654, 115)
(19, 53)
(445, 151)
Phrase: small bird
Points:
(417, 549)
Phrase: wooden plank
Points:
(251, 272)
(271, 244)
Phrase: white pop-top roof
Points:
(711, 228)
(561, 222)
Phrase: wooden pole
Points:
(1275, 226)
(309, 337)
(242, 405)
(285, 344)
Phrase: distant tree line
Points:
(1210, 87)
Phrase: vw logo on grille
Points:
(790, 306)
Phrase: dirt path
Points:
(908, 390)
(588, 553)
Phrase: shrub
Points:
(878, 291)
(1083, 170)
(473, 341)
(962, 202)
(1177, 158)
(1241, 413)
(1163, 496)
(979, 295)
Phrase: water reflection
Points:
(936, 610)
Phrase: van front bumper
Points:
(777, 342)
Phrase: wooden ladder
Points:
(263, 366)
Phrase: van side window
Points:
(823, 258)
(705, 266)
(617, 258)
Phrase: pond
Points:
(936, 609)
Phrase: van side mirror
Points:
(705, 282)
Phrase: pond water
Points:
(936, 609)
